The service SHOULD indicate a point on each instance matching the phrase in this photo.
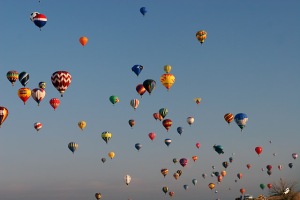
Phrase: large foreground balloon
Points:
(24, 94)
(73, 146)
(106, 136)
(137, 69)
(61, 81)
(54, 102)
(201, 36)
(12, 76)
(3, 114)
(167, 80)
(149, 85)
(241, 120)
(83, 40)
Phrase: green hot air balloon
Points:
(114, 99)
(163, 112)
(149, 85)
(262, 186)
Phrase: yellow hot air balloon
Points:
(3, 114)
(167, 80)
(167, 68)
(24, 94)
(211, 186)
(111, 154)
(201, 36)
(82, 125)
(197, 100)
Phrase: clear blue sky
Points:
(249, 63)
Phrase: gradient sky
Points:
(249, 63)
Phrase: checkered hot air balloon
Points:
(61, 81)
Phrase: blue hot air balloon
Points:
(143, 10)
(168, 141)
(241, 120)
(138, 146)
(137, 69)
(24, 78)
(185, 187)
(73, 146)
(180, 130)
(218, 149)
(40, 20)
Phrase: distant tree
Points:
(277, 192)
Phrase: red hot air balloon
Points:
(3, 114)
(240, 175)
(248, 166)
(258, 150)
(183, 162)
(54, 102)
(152, 136)
(269, 185)
(198, 145)
(140, 89)
(167, 123)
(61, 81)
(242, 190)
(269, 167)
(228, 117)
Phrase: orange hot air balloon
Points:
(171, 193)
(220, 178)
(228, 117)
(167, 123)
(3, 114)
(164, 172)
(195, 158)
(201, 36)
(111, 154)
(211, 186)
(242, 190)
(270, 185)
(167, 80)
(223, 173)
(83, 40)
(54, 102)
(239, 175)
(24, 94)
(140, 89)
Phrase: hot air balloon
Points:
(114, 99)
(223, 173)
(127, 179)
(204, 176)
(32, 15)
(248, 166)
(54, 102)
(269, 167)
(190, 120)
(111, 155)
(198, 145)
(228, 117)
(134, 103)
(294, 155)
(131, 122)
(165, 189)
(163, 112)
(225, 164)
(230, 159)
(12, 76)
(185, 187)
(37, 126)
(195, 158)
(106, 136)
(218, 149)
(61, 81)
(290, 165)
(262, 186)
(175, 160)
(152, 136)
(197, 100)
(143, 10)
(179, 130)
(167, 80)
(164, 172)
(103, 160)
(179, 172)
(239, 175)
(258, 150)
(137, 69)
(24, 78)
(42, 85)
(216, 173)
(241, 120)
(140, 89)
(83, 40)
(149, 85)
(211, 186)
(40, 20)
(279, 167)
(157, 116)
(3, 114)
(81, 125)
(220, 178)
(138, 146)
(194, 181)
(269, 172)
(168, 141)
(183, 162)
(176, 175)
(167, 68)
(269, 185)
(201, 36)
(167, 123)
(38, 94)
(242, 190)
(73, 146)
(171, 193)
(24, 94)
(98, 196)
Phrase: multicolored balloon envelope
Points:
(37, 126)
(40, 20)
(73, 146)
(12, 76)
(3, 114)
(137, 69)
(201, 36)
(241, 120)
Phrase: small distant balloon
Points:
(83, 40)
(143, 10)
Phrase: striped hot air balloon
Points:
(3, 114)
(61, 80)
(38, 126)
(40, 20)
(12, 76)
(134, 103)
